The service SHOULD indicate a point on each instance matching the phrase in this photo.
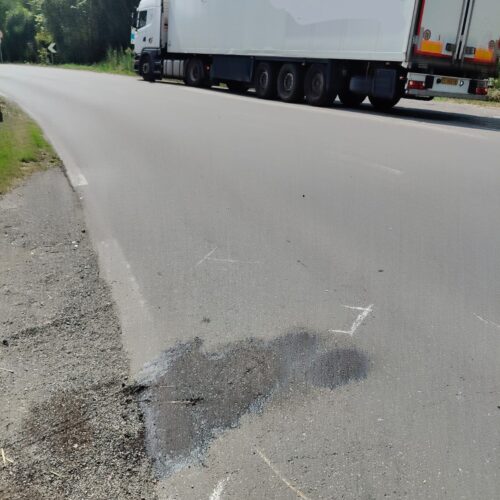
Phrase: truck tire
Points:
(317, 89)
(384, 104)
(265, 80)
(238, 87)
(195, 75)
(147, 68)
(290, 83)
(350, 99)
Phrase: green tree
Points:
(85, 29)
(5, 6)
(19, 33)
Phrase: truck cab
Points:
(148, 32)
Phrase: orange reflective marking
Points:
(484, 55)
(432, 46)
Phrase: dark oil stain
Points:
(193, 395)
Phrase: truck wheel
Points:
(384, 104)
(290, 83)
(237, 86)
(196, 76)
(265, 80)
(147, 68)
(316, 86)
(350, 99)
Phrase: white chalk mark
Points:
(209, 254)
(209, 257)
(5, 458)
(368, 163)
(219, 489)
(232, 261)
(379, 166)
(281, 477)
(487, 321)
(355, 308)
(365, 311)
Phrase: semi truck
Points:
(318, 50)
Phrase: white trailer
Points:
(318, 49)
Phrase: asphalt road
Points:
(236, 222)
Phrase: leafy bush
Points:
(494, 95)
(117, 61)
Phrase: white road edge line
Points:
(77, 180)
(487, 321)
(75, 176)
(365, 312)
(281, 477)
(209, 254)
(219, 489)
(135, 313)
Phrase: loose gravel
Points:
(71, 426)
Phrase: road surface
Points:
(324, 284)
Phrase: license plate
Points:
(449, 81)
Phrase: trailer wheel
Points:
(384, 104)
(234, 86)
(147, 68)
(196, 76)
(290, 83)
(317, 89)
(350, 99)
(265, 80)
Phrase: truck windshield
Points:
(142, 19)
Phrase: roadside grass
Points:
(23, 148)
(487, 104)
(118, 62)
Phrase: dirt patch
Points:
(70, 426)
(190, 395)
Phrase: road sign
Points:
(52, 49)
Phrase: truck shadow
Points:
(404, 111)
(436, 116)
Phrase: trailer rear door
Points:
(483, 40)
(459, 30)
(440, 27)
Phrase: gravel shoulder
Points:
(71, 426)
